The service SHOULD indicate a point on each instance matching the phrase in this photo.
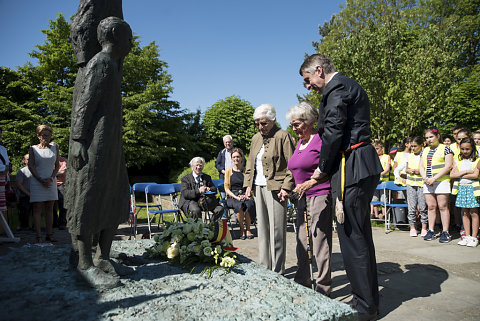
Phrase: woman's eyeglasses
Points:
(263, 123)
(295, 125)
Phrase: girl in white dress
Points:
(43, 164)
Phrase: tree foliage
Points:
(410, 56)
(230, 116)
(156, 130)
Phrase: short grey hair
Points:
(310, 64)
(265, 110)
(303, 111)
(227, 136)
(196, 159)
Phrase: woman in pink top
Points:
(315, 199)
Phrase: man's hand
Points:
(80, 157)
(319, 177)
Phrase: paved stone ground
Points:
(418, 280)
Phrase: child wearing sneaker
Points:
(435, 165)
(467, 188)
(384, 176)
(415, 196)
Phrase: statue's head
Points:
(115, 31)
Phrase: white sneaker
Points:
(464, 240)
(413, 232)
(472, 242)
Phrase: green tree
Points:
(407, 55)
(230, 116)
(154, 125)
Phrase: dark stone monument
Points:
(97, 188)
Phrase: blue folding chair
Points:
(390, 205)
(381, 187)
(160, 190)
(138, 188)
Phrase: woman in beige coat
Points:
(267, 176)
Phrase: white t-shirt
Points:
(260, 179)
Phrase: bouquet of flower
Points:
(194, 242)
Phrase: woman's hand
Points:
(46, 182)
(305, 186)
(429, 181)
(282, 195)
(248, 193)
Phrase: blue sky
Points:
(214, 48)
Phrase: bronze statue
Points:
(97, 188)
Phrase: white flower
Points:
(205, 243)
(191, 236)
(187, 228)
(218, 249)
(227, 262)
(207, 251)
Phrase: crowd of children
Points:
(441, 176)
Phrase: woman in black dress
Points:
(236, 199)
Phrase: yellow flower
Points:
(173, 251)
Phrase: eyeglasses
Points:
(295, 125)
(257, 124)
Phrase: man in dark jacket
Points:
(194, 189)
(344, 126)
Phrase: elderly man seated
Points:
(194, 193)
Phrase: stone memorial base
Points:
(37, 284)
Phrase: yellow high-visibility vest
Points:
(384, 160)
(475, 183)
(438, 161)
(400, 160)
(414, 163)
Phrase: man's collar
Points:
(330, 78)
(195, 175)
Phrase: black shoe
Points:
(242, 237)
(367, 317)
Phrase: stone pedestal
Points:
(37, 284)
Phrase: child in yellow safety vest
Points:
(435, 166)
(415, 196)
(384, 176)
(467, 188)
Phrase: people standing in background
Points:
(23, 179)
(447, 140)
(43, 164)
(415, 195)
(476, 138)
(467, 188)
(435, 166)
(378, 195)
(456, 143)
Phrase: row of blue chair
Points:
(153, 208)
(387, 187)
